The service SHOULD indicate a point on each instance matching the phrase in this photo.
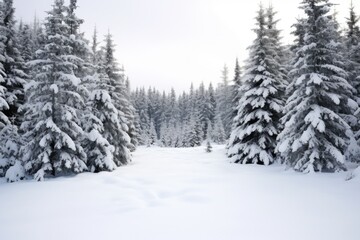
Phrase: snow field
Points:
(183, 194)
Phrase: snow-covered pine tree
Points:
(26, 48)
(51, 123)
(13, 64)
(211, 101)
(257, 124)
(193, 135)
(100, 118)
(352, 43)
(144, 120)
(208, 147)
(120, 101)
(236, 95)
(203, 106)
(132, 121)
(152, 133)
(218, 133)
(314, 138)
(224, 101)
(279, 62)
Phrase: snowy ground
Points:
(183, 194)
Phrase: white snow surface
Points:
(183, 194)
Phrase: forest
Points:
(67, 107)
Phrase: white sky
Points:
(171, 43)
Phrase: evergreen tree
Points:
(13, 64)
(218, 133)
(314, 138)
(352, 42)
(211, 101)
(236, 95)
(152, 133)
(224, 106)
(101, 117)
(26, 48)
(257, 124)
(51, 123)
(120, 101)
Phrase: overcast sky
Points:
(171, 43)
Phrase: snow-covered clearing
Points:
(185, 194)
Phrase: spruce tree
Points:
(51, 123)
(101, 116)
(352, 43)
(253, 139)
(236, 95)
(314, 138)
(13, 64)
(120, 101)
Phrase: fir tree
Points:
(51, 123)
(101, 117)
(257, 123)
(120, 101)
(352, 42)
(314, 138)
(13, 64)
(236, 95)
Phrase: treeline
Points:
(302, 111)
(64, 102)
(186, 120)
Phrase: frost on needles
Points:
(257, 124)
(314, 137)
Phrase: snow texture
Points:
(182, 194)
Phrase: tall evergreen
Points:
(314, 138)
(52, 121)
(224, 96)
(13, 64)
(236, 94)
(120, 101)
(352, 42)
(257, 123)
(101, 117)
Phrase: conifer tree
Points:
(218, 133)
(13, 64)
(101, 117)
(314, 138)
(224, 96)
(51, 123)
(253, 139)
(236, 95)
(352, 42)
(120, 101)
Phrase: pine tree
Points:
(314, 138)
(257, 124)
(51, 123)
(120, 101)
(101, 117)
(26, 48)
(236, 95)
(208, 147)
(211, 101)
(224, 106)
(13, 64)
(131, 117)
(352, 43)
(194, 134)
(152, 133)
(218, 133)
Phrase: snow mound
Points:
(15, 173)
